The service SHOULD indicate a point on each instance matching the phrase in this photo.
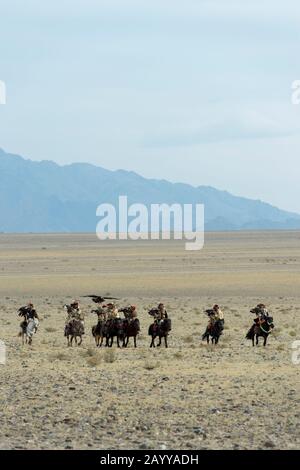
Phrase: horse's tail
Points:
(137, 323)
(250, 333)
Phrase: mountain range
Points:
(46, 197)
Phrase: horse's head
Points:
(166, 324)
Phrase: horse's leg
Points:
(256, 340)
(134, 341)
(265, 340)
(159, 341)
(80, 341)
(166, 341)
(152, 345)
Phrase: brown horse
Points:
(260, 328)
(161, 330)
(73, 330)
(214, 332)
(113, 328)
(98, 331)
(131, 330)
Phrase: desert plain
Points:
(189, 396)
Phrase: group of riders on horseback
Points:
(262, 324)
(112, 324)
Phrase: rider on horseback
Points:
(101, 312)
(215, 315)
(215, 322)
(112, 311)
(74, 312)
(161, 313)
(261, 316)
(130, 312)
(28, 312)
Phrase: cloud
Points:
(246, 125)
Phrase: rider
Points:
(215, 317)
(160, 313)
(218, 315)
(101, 312)
(74, 312)
(261, 315)
(130, 313)
(112, 311)
(28, 312)
(133, 312)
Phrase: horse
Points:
(74, 329)
(214, 331)
(161, 330)
(28, 328)
(98, 331)
(131, 330)
(113, 327)
(260, 328)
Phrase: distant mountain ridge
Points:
(45, 197)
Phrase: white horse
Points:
(28, 329)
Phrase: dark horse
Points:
(260, 328)
(161, 330)
(74, 329)
(113, 328)
(214, 331)
(131, 330)
(98, 331)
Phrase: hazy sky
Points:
(194, 91)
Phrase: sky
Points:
(196, 91)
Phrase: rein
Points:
(266, 332)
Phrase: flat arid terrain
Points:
(189, 396)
